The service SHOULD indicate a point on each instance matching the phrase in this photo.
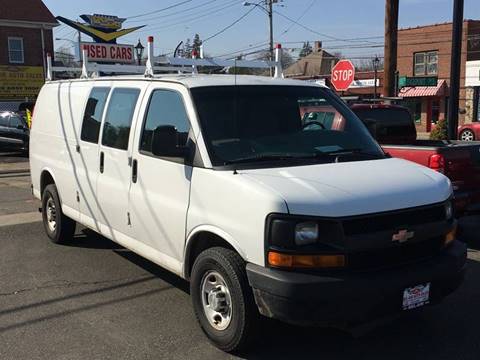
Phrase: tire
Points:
(59, 228)
(224, 265)
(467, 135)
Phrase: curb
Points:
(14, 171)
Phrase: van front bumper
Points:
(348, 299)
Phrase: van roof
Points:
(199, 80)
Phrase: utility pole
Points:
(456, 58)
(270, 22)
(391, 40)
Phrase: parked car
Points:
(394, 128)
(14, 132)
(469, 132)
(218, 179)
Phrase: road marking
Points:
(22, 218)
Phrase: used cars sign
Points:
(112, 53)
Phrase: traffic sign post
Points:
(343, 74)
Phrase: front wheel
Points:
(467, 135)
(59, 228)
(222, 299)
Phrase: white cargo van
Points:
(227, 182)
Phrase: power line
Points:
(309, 29)
(173, 13)
(184, 21)
(229, 26)
(160, 10)
(299, 18)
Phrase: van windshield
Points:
(278, 124)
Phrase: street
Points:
(93, 299)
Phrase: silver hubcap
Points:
(51, 214)
(467, 135)
(216, 300)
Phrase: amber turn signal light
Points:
(451, 236)
(277, 259)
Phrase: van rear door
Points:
(88, 155)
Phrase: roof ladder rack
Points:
(171, 64)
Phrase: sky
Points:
(353, 27)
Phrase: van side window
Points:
(118, 120)
(93, 114)
(166, 108)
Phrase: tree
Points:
(286, 60)
(64, 55)
(367, 64)
(196, 44)
(306, 49)
(441, 131)
(187, 49)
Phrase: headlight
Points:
(306, 233)
(449, 210)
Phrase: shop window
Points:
(425, 63)
(15, 50)
(415, 107)
(435, 111)
(476, 104)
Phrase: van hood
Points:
(354, 188)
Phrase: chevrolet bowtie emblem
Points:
(403, 236)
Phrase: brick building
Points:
(425, 51)
(25, 38)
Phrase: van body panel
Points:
(159, 198)
(229, 202)
(347, 189)
(113, 183)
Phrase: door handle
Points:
(134, 170)
(102, 161)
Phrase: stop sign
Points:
(343, 74)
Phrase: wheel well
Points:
(45, 179)
(200, 242)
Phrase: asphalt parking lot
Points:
(95, 300)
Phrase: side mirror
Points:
(165, 142)
(21, 127)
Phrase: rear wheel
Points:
(222, 299)
(467, 135)
(59, 227)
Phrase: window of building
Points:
(435, 111)
(415, 107)
(15, 50)
(476, 104)
(425, 63)
(93, 114)
(166, 108)
(118, 121)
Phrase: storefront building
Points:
(423, 65)
(25, 39)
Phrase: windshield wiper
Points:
(355, 151)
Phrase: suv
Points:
(14, 132)
(220, 180)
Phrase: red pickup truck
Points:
(394, 129)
